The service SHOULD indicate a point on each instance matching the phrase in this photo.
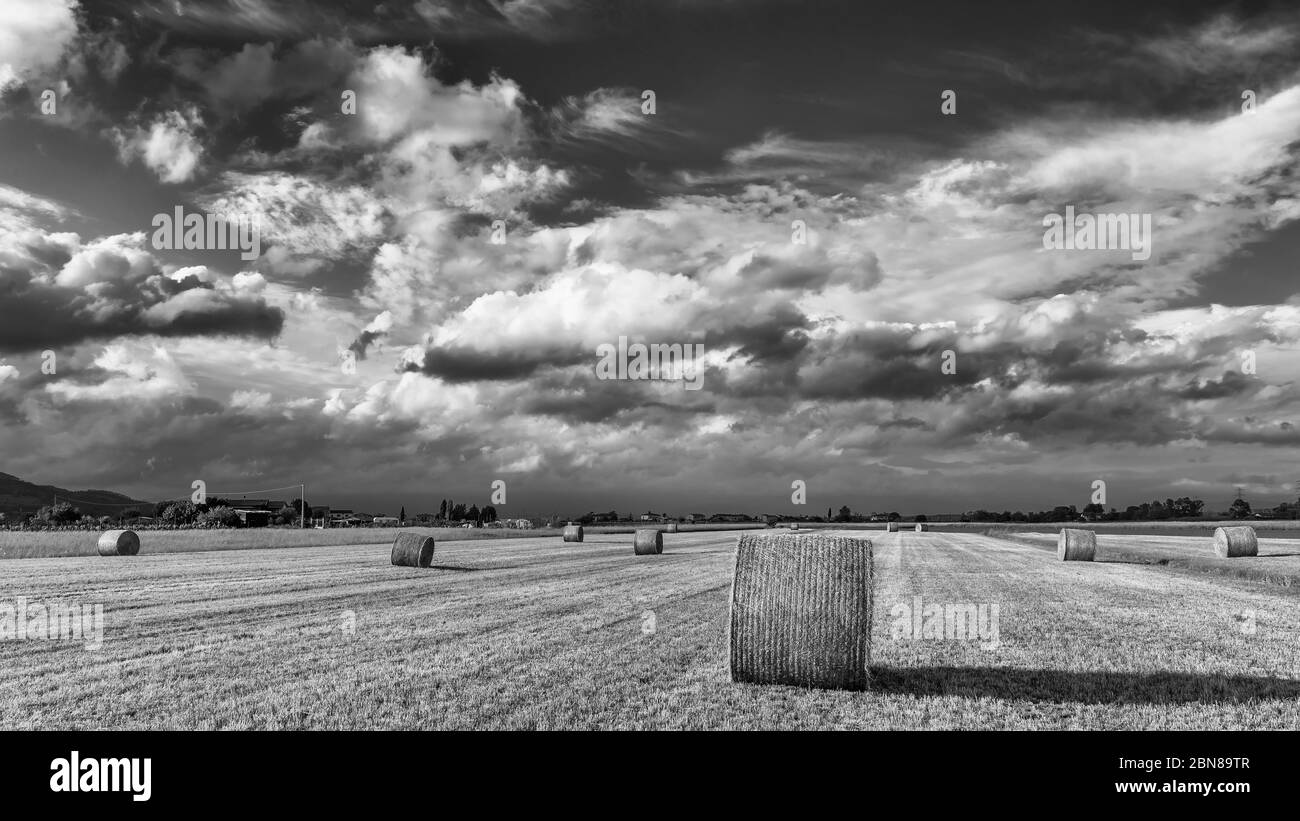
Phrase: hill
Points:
(18, 496)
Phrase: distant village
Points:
(296, 512)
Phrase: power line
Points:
(246, 492)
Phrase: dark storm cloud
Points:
(1231, 384)
(1253, 432)
(778, 337)
(41, 317)
(1135, 412)
(583, 399)
(461, 364)
(363, 342)
(881, 363)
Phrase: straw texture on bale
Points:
(1231, 542)
(1076, 545)
(801, 611)
(573, 533)
(412, 550)
(920, 527)
(671, 527)
(892, 527)
(649, 541)
(118, 543)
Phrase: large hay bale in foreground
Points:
(892, 527)
(649, 541)
(412, 550)
(1076, 545)
(118, 543)
(1231, 542)
(573, 533)
(801, 611)
(671, 527)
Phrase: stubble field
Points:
(535, 633)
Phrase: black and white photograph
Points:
(651, 365)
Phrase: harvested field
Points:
(23, 544)
(1278, 562)
(530, 633)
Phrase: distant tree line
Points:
(217, 512)
(1156, 511)
(214, 512)
(1181, 508)
(452, 511)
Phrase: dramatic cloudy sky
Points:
(475, 361)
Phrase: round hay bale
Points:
(801, 611)
(921, 527)
(794, 525)
(649, 541)
(1231, 542)
(892, 527)
(118, 543)
(1076, 545)
(412, 550)
(671, 527)
(573, 533)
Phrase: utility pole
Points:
(302, 505)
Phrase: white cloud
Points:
(397, 97)
(112, 259)
(250, 400)
(169, 147)
(586, 306)
(33, 36)
(303, 216)
(133, 376)
(608, 115)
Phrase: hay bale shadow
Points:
(1092, 687)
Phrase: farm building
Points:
(338, 517)
(254, 518)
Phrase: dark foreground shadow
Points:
(453, 567)
(1083, 688)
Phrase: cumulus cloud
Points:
(33, 37)
(169, 146)
(301, 217)
(122, 374)
(398, 97)
(61, 290)
(375, 331)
